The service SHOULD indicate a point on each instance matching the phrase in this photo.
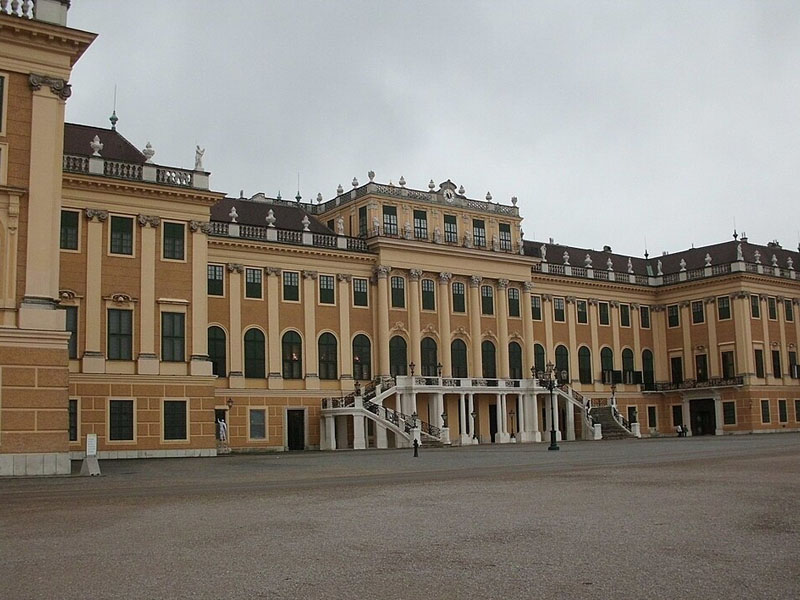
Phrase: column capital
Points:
(57, 86)
(570, 299)
(444, 277)
(475, 281)
(151, 220)
(502, 284)
(415, 274)
(199, 226)
(528, 286)
(235, 268)
(684, 304)
(614, 303)
(344, 276)
(272, 271)
(310, 275)
(382, 271)
(96, 213)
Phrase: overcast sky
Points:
(611, 121)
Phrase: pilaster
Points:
(310, 329)
(147, 361)
(273, 275)
(236, 375)
(502, 326)
(444, 323)
(475, 325)
(199, 365)
(345, 343)
(382, 333)
(415, 353)
(93, 357)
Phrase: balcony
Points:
(693, 384)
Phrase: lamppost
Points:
(412, 366)
(511, 414)
(549, 378)
(613, 394)
(439, 369)
(474, 421)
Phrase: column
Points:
(614, 310)
(199, 365)
(310, 330)
(570, 410)
(330, 433)
(548, 415)
(462, 418)
(382, 333)
(659, 325)
(274, 333)
(547, 315)
(572, 318)
(147, 363)
(718, 415)
(475, 325)
(714, 369)
(359, 437)
(686, 329)
(439, 404)
(502, 326)
(471, 407)
(556, 418)
(93, 356)
(236, 375)
(498, 438)
(345, 343)
(415, 353)
(784, 350)
(768, 372)
(534, 418)
(686, 413)
(597, 366)
(522, 416)
(527, 326)
(444, 323)
(637, 336)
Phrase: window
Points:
(584, 365)
(217, 350)
(701, 367)
(755, 306)
(728, 366)
(788, 310)
(794, 373)
(644, 317)
(673, 316)
(398, 356)
(723, 308)
(450, 229)
(515, 360)
(330, 225)
(458, 358)
(172, 336)
(429, 360)
(428, 294)
(776, 363)
(362, 221)
(759, 363)
(536, 308)
(487, 300)
(69, 225)
(420, 225)
(72, 327)
(625, 315)
(505, 236)
(252, 279)
(538, 358)
(632, 415)
(478, 232)
(291, 286)
(582, 311)
(559, 312)
(362, 361)
(459, 304)
(173, 241)
(327, 292)
(783, 414)
(651, 417)
(122, 235)
(797, 410)
(765, 418)
(648, 369)
(120, 334)
(628, 366)
(603, 313)
(73, 420)
(398, 285)
(292, 355)
(258, 424)
(677, 415)
(562, 363)
(2, 103)
(488, 364)
(328, 356)
(698, 313)
(120, 420)
(174, 419)
(729, 413)
(513, 302)
(772, 309)
(676, 366)
(607, 365)
(215, 276)
(254, 354)
(360, 295)
(389, 220)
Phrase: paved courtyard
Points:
(665, 518)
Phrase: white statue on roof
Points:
(659, 267)
(739, 253)
(543, 252)
(630, 265)
(198, 158)
(340, 225)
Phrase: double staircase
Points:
(614, 425)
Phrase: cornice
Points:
(239, 243)
(39, 34)
(188, 195)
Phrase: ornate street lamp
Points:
(444, 419)
(613, 394)
(414, 420)
(548, 379)
(412, 366)
(474, 420)
(513, 431)
(439, 369)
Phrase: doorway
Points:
(220, 415)
(703, 418)
(492, 422)
(296, 429)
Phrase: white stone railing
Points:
(97, 165)
(122, 170)
(286, 236)
(50, 11)
(174, 176)
(16, 8)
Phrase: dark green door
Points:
(296, 429)
(492, 421)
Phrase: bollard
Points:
(416, 448)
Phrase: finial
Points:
(402, 181)
(270, 218)
(298, 197)
(646, 255)
(513, 200)
(278, 197)
(461, 190)
(113, 118)
(96, 145)
(319, 197)
(488, 196)
(148, 153)
(306, 222)
(233, 214)
(355, 182)
(735, 234)
(339, 190)
(371, 175)
(431, 185)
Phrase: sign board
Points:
(91, 444)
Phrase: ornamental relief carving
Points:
(415, 274)
(57, 86)
(235, 268)
(445, 277)
(96, 213)
(201, 226)
(382, 271)
(272, 271)
(310, 275)
(151, 220)
(475, 281)
(344, 277)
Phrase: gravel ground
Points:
(662, 518)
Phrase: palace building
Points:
(171, 320)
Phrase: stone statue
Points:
(790, 263)
(407, 231)
(306, 222)
(437, 236)
(198, 158)
(683, 264)
(566, 258)
(774, 261)
(630, 266)
(271, 218)
(543, 252)
(757, 256)
(659, 266)
(610, 264)
(739, 253)
(233, 214)
(340, 225)
(708, 259)
(376, 225)
(468, 240)
(96, 145)
(587, 262)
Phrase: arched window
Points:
(328, 356)
(562, 362)
(254, 354)
(627, 365)
(458, 358)
(429, 360)
(398, 356)
(584, 365)
(292, 351)
(217, 350)
(488, 360)
(648, 369)
(607, 364)
(514, 361)
(538, 358)
(362, 361)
